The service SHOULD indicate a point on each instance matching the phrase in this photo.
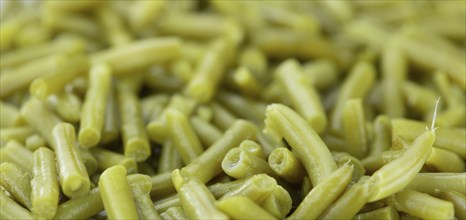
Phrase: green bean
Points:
(409, 201)
(354, 128)
(239, 164)
(75, 6)
(344, 158)
(45, 191)
(19, 134)
(305, 187)
(356, 85)
(419, 98)
(92, 117)
(16, 153)
(32, 34)
(144, 12)
(164, 204)
(397, 174)
(170, 159)
(198, 202)
(267, 143)
(106, 159)
(394, 71)
(111, 128)
(82, 207)
(204, 83)
(182, 69)
(208, 164)
(74, 179)
(174, 213)
(383, 135)
(89, 160)
(255, 61)
(429, 182)
(253, 148)
(140, 187)
(443, 85)
(40, 118)
(77, 24)
(182, 136)
(9, 115)
(304, 97)
(153, 106)
(386, 213)
(446, 138)
(206, 131)
(282, 122)
(67, 105)
(458, 200)
(55, 81)
(438, 157)
(21, 77)
(162, 185)
(136, 142)
(375, 162)
(165, 49)
(278, 203)
(17, 182)
(452, 117)
(324, 194)
(12, 26)
(247, 83)
(350, 202)
(146, 168)
(323, 72)
(222, 118)
(286, 165)
(257, 188)
(156, 128)
(34, 142)
(159, 80)
(115, 32)
(242, 106)
(241, 207)
(12, 210)
(114, 187)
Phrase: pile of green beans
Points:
(218, 109)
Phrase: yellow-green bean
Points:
(45, 191)
(438, 158)
(12, 210)
(144, 12)
(162, 185)
(241, 207)
(429, 182)
(286, 165)
(282, 122)
(106, 159)
(16, 153)
(67, 105)
(386, 213)
(19, 134)
(244, 107)
(82, 207)
(112, 23)
(383, 135)
(419, 98)
(323, 72)
(343, 158)
(140, 187)
(257, 188)
(16, 181)
(354, 128)
(394, 71)
(170, 159)
(174, 213)
(278, 203)
(111, 128)
(206, 131)
(40, 118)
(94, 106)
(458, 200)
(34, 142)
(9, 115)
(73, 176)
(221, 117)
(239, 164)
(116, 194)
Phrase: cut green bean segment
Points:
(222, 118)
(17, 182)
(344, 158)
(447, 138)
(303, 95)
(74, 179)
(458, 200)
(323, 72)
(140, 187)
(16, 153)
(208, 164)
(397, 174)
(153, 106)
(350, 202)
(357, 85)
(11, 209)
(106, 159)
(55, 81)
(419, 98)
(429, 182)
(257, 188)
(387, 213)
(182, 136)
(191, 25)
(144, 12)
(375, 162)
(206, 131)
(174, 213)
(115, 32)
(111, 128)
(162, 185)
(75, 6)
(114, 187)
(394, 71)
(438, 158)
(40, 118)
(253, 148)
(242, 106)
(20, 77)
(204, 83)
(19, 134)
(286, 165)
(162, 205)
(452, 117)
(198, 202)
(136, 142)
(383, 135)
(9, 115)
(354, 128)
(324, 194)
(241, 207)
(34, 142)
(239, 164)
(45, 190)
(409, 201)
(82, 207)
(170, 159)
(67, 105)
(149, 51)
(94, 106)
(247, 82)
(89, 161)
(278, 203)
(282, 122)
